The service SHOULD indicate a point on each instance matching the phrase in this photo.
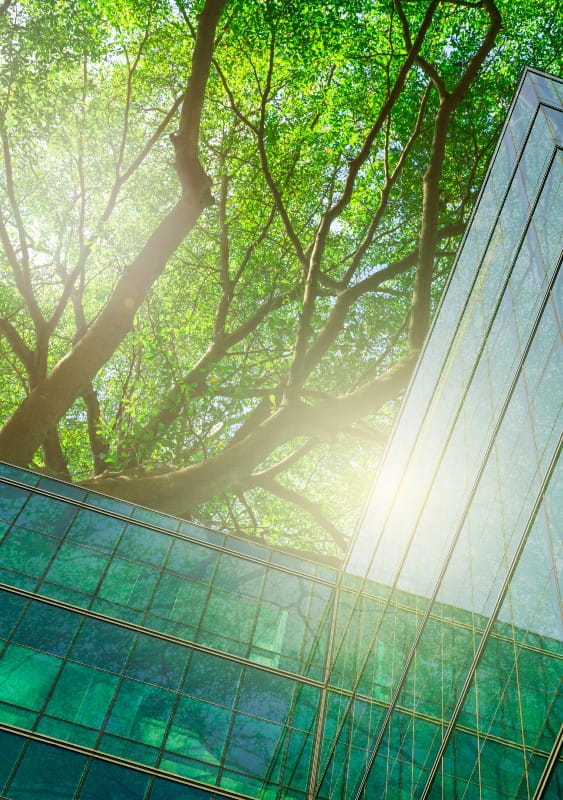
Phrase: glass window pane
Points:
(82, 694)
(230, 615)
(143, 544)
(26, 676)
(192, 560)
(10, 747)
(266, 695)
(199, 730)
(157, 661)
(46, 773)
(12, 499)
(129, 584)
(254, 745)
(47, 514)
(237, 575)
(48, 628)
(26, 551)
(95, 530)
(102, 644)
(113, 782)
(77, 567)
(141, 712)
(179, 599)
(212, 678)
(11, 606)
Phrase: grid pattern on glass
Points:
(441, 663)
(105, 687)
(165, 522)
(179, 587)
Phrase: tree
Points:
(226, 337)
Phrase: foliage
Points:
(236, 357)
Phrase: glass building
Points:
(144, 658)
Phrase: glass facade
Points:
(144, 657)
(465, 517)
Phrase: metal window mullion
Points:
(323, 700)
(550, 766)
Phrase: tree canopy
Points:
(224, 227)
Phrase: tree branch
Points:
(287, 462)
(224, 277)
(313, 509)
(55, 461)
(194, 382)
(98, 446)
(335, 321)
(179, 490)
(20, 269)
(386, 191)
(19, 347)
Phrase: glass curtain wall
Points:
(162, 646)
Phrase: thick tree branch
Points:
(184, 488)
(55, 461)
(25, 430)
(19, 347)
(98, 446)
